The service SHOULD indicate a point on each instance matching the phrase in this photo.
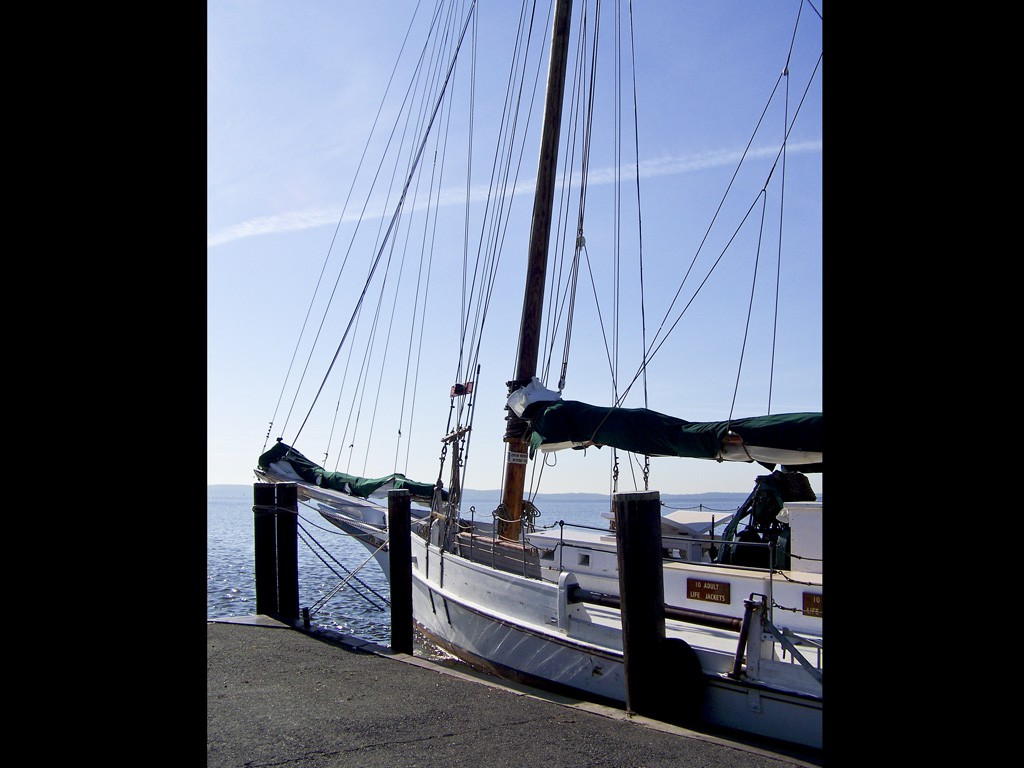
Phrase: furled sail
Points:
(790, 439)
(285, 463)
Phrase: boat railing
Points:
(493, 550)
(757, 629)
(667, 540)
(670, 543)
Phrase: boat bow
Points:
(284, 463)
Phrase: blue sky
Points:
(292, 93)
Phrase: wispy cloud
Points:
(665, 166)
(270, 225)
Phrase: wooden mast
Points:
(510, 524)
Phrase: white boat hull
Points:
(540, 638)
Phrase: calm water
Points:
(360, 608)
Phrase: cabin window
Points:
(583, 560)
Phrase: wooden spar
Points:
(510, 525)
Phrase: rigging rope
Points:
(437, 57)
(315, 608)
(479, 289)
(659, 338)
(426, 289)
(782, 205)
(330, 247)
(656, 344)
(555, 302)
(351, 574)
(580, 241)
(510, 134)
(392, 223)
(505, 170)
(640, 232)
(436, 174)
(750, 305)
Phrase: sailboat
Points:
(542, 605)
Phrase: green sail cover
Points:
(340, 481)
(650, 433)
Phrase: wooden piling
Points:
(400, 565)
(663, 676)
(275, 525)
(642, 594)
(265, 531)
(287, 551)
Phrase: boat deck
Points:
(507, 556)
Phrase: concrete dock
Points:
(281, 695)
